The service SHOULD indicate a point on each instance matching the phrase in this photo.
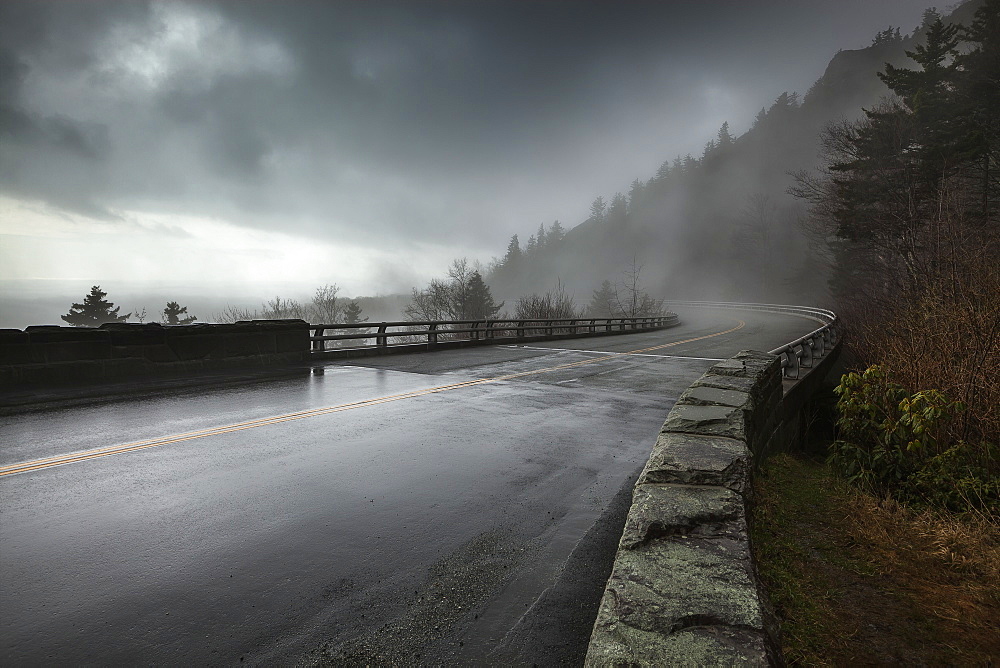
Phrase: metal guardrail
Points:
(438, 331)
(801, 353)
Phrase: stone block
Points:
(195, 342)
(160, 354)
(68, 344)
(690, 459)
(667, 510)
(131, 367)
(735, 383)
(729, 367)
(15, 347)
(682, 600)
(135, 334)
(708, 420)
(694, 646)
(292, 339)
(703, 395)
(247, 342)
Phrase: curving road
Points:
(454, 507)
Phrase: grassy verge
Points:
(857, 580)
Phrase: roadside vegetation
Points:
(909, 196)
(858, 579)
(888, 551)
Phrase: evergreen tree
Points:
(710, 147)
(513, 256)
(480, 304)
(725, 140)
(927, 92)
(94, 311)
(556, 233)
(635, 193)
(541, 239)
(531, 246)
(598, 209)
(602, 302)
(663, 173)
(618, 210)
(978, 134)
(352, 313)
(173, 312)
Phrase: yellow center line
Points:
(95, 453)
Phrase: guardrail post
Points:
(319, 345)
(474, 334)
(807, 353)
(432, 337)
(489, 329)
(792, 370)
(593, 328)
(519, 329)
(381, 340)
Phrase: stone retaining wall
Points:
(44, 355)
(684, 589)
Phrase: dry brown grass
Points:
(856, 579)
(950, 567)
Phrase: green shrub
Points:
(892, 442)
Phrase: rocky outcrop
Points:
(684, 590)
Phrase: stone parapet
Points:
(684, 589)
(48, 355)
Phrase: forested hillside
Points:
(721, 225)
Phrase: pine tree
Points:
(352, 313)
(541, 238)
(173, 312)
(598, 209)
(725, 140)
(618, 210)
(978, 120)
(928, 96)
(480, 304)
(94, 311)
(513, 257)
(556, 233)
(635, 193)
(663, 173)
(602, 302)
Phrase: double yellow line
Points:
(72, 458)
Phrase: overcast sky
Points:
(364, 143)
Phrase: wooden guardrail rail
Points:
(434, 332)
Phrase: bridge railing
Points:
(801, 353)
(434, 332)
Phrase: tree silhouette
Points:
(94, 311)
(352, 313)
(172, 315)
(480, 304)
(602, 303)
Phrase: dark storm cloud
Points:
(456, 122)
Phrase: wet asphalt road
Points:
(471, 524)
